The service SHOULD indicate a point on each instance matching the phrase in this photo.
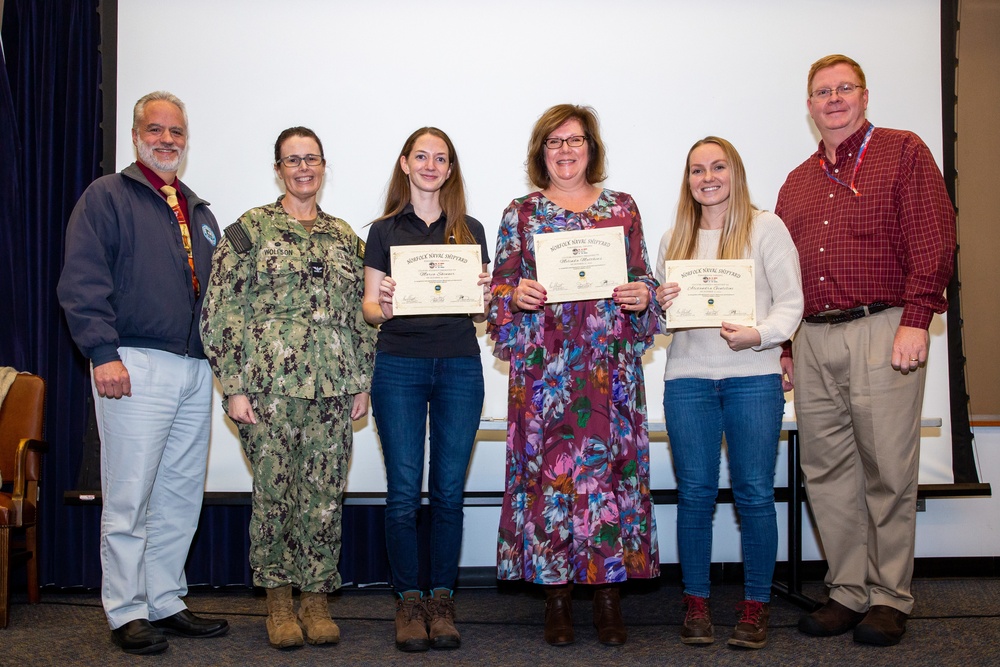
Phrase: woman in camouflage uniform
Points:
(283, 329)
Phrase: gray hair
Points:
(159, 95)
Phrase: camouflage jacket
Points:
(283, 309)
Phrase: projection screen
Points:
(660, 74)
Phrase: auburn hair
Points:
(451, 195)
(547, 123)
(830, 61)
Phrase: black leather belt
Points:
(841, 316)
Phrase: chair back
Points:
(22, 415)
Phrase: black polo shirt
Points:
(421, 335)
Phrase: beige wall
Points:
(976, 158)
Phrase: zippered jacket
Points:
(126, 281)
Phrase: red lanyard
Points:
(857, 163)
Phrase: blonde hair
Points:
(738, 225)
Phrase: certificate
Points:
(437, 279)
(578, 265)
(713, 291)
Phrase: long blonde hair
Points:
(738, 225)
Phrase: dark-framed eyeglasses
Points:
(573, 142)
(296, 160)
(843, 90)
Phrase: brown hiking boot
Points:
(441, 619)
(608, 616)
(751, 628)
(559, 615)
(314, 613)
(411, 623)
(282, 630)
(697, 628)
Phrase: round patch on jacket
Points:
(209, 234)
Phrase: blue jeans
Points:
(749, 411)
(404, 391)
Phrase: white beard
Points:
(149, 158)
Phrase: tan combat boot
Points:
(314, 612)
(282, 630)
(441, 619)
(411, 623)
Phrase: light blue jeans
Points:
(404, 391)
(749, 411)
(154, 453)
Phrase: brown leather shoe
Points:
(559, 615)
(697, 628)
(831, 619)
(883, 626)
(608, 616)
(751, 628)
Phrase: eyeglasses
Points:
(843, 90)
(573, 142)
(296, 160)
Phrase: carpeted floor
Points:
(956, 622)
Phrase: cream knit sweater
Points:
(703, 353)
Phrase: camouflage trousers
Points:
(299, 451)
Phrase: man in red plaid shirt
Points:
(875, 231)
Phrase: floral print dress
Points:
(576, 505)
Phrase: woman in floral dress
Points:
(577, 507)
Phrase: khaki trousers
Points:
(859, 427)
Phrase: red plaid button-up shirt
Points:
(894, 243)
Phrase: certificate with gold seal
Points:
(437, 279)
(713, 291)
(578, 265)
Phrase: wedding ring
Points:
(637, 301)
(914, 359)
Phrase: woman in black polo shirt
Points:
(425, 365)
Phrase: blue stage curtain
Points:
(50, 105)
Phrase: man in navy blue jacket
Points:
(138, 248)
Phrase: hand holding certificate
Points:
(437, 279)
(579, 265)
(712, 292)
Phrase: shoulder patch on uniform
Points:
(360, 248)
(209, 234)
(238, 238)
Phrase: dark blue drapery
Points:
(51, 103)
